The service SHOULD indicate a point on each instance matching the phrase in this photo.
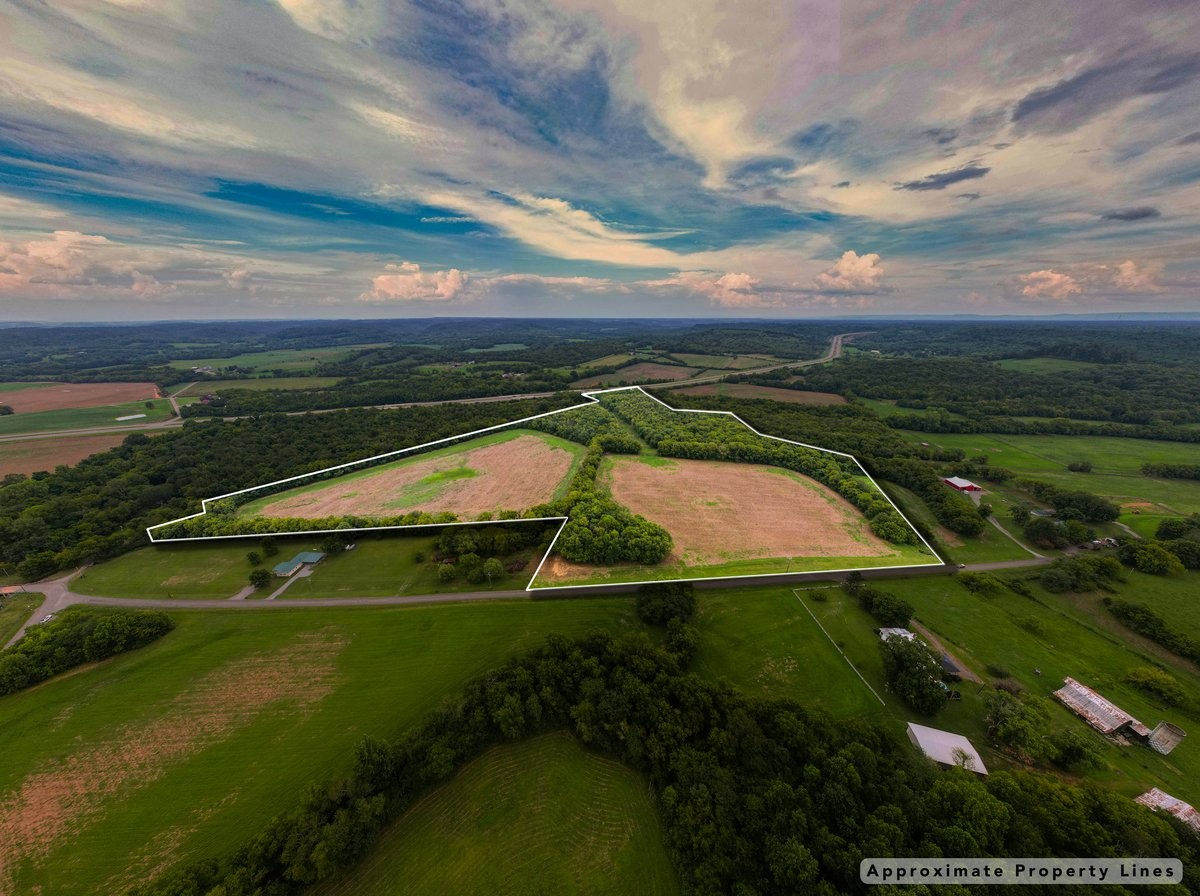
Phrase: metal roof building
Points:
(1164, 802)
(963, 485)
(946, 747)
(1103, 715)
(288, 567)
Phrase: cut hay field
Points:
(31, 455)
(186, 748)
(729, 519)
(27, 398)
(637, 373)
(294, 360)
(86, 418)
(748, 390)
(539, 817)
(726, 362)
(262, 383)
(511, 470)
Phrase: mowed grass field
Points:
(31, 455)
(511, 470)
(14, 610)
(186, 748)
(379, 566)
(292, 360)
(637, 373)
(726, 362)
(86, 418)
(262, 383)
(538, 817)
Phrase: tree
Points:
(659, 604)
(492, 569)
(446, 572)
(1080, 466)
(254, 557)
(914, 673)
(260, 578)
(5, 410)
(1017, 722)
(269, 547)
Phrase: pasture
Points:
(773, 393)
(511, 470)
(30, 455)
(260, 384)
(541, 816)
(182, 750)
(641, 372)
(725, 362)
(87, 418)
(293, 360)
(27, 398)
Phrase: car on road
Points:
(47, 617)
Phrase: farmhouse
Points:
(963, 485)
(304, 558)
(1159, 801)
(946, 748)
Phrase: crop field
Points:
(730, 519)
(1116, 465)
(725, 362)
(538, 817)
(86, 418)
(290, 359)
(636, 373)
(182, 750)
(31, 455)
(26, 398)
(511, 470)
(607, 361)
(748, 390)
(262, 383)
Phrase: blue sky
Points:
(360, 158)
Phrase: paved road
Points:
(836, 345)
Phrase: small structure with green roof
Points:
(304, 558)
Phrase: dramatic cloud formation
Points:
(190, 158)
(406, 282)
(853, 273)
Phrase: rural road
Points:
(836, 344)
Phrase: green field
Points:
(539, 817)
(379, 566)
(988, 546)
(725, 362)
(21, 387)
(290, 359)
(186, 748)
(83, 418)
(14, 610)
(427, 487)
(262, 383)
(1044, 365)
(607, 361)
(1116, 465)
(499, 347)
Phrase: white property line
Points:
(591, 400)
(796, 591)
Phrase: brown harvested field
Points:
(27, 398)
(636, 373)
(719, 512)
(514, 474)
(72, 791)
(747, 390)
(32, 455)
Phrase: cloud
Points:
(1129, 277)
(731, 290)
(853, 273)
(1049, 284)
(1139, 213)
(406, 282)
(945, 178)
(581, 284)
(447, 219)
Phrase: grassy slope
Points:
(207, 387)
(388, 668)
(990, 545)
(14, 610)
(253, 508)
(543, 816)
(81, 418)
(290, 359)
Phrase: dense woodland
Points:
(756, 797)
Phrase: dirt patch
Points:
(636, 373)
(46, 454)
(747, 390)
(719, 512)
(511, 475)
(53, 802)
(62, 396)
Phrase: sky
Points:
(375, 158)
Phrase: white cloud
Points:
(1049, 284)
(852, 273)
(582, 284)
(1129, 277)
(731, 290)
(406, 282)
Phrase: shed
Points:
(885, 633)
(1103, 715)
(946, 747)
(1164, 802)
(304, 558)
(963, 485)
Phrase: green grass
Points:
(606, 361)
(261, 384)
(186, 748)
(538, 817)
(987, 547)
(1116, 464)
(290, 359)
(427, 488)
(204, 570)
(14, 610)
(21, 387)
(83, 418)
(1044, 365)
(717, 363)
(499, 347)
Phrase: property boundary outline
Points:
(591, 399)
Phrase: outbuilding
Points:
(291, 567)
(946, 748)
(963, 485)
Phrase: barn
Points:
(946, 747)
(963, 485)
(1164, 802)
